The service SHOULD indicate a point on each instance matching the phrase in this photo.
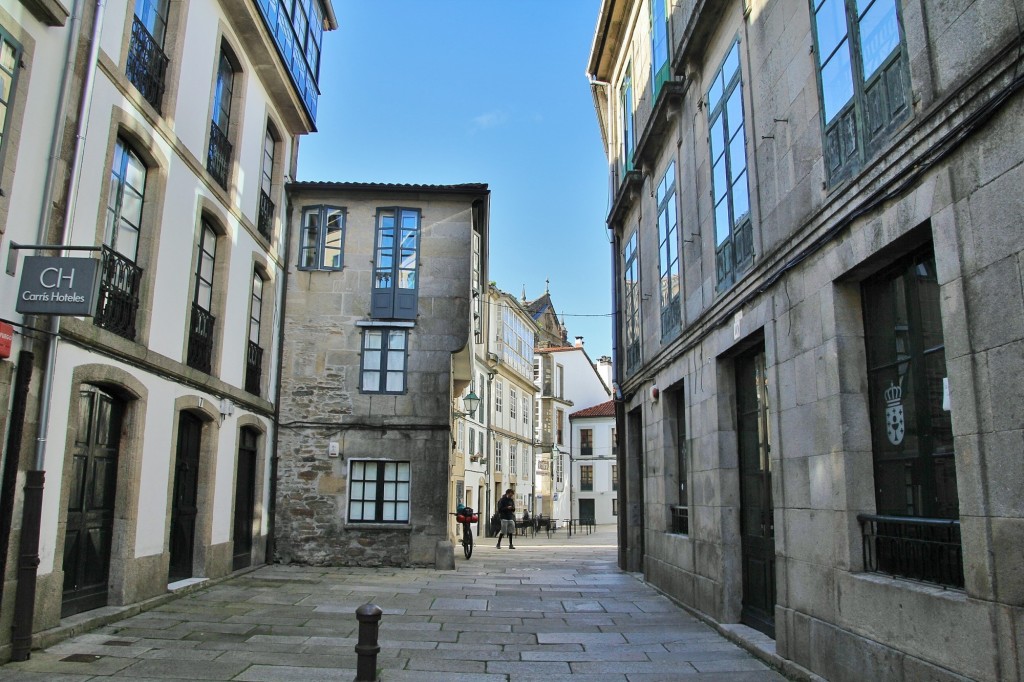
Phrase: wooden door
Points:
(90, 512)
(185, 501)
(245, 499)
(757, 525)
(587, 514)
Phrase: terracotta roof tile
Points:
(606, 409)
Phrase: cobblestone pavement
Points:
(553, 608)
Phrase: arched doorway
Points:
(185, 497)
(245, 498)
(90, 509)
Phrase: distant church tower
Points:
(553, 333)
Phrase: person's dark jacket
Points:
(507, 509)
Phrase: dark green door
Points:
(185, 501)
(90, 513)
(587, 511)
(757, 524)
(245, 499)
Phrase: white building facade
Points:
(497, 441)
(567, 381)
(157, 411)
(594, 478)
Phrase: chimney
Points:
(579, 342)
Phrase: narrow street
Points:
(553, 608)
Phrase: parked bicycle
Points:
(466, 516)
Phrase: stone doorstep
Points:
(756, 643)
(80, 623)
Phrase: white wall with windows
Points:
(567, 380)
(594, 466)
(183, 344)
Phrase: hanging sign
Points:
(6, 338)
(51, 285)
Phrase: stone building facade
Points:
(378, 339)
(816, 229)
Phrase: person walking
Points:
(507, 512)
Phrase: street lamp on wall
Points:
(470, 402)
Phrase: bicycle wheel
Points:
(467, 542)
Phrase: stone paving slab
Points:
(554, 609)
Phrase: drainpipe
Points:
(620, 408)
(28, 559)
(272, 500)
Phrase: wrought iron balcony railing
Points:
(118, 302)
(218, 158)
(265, 221)
(253, 368)
(147, 64)
(917, 548)
(681, 520)
(200, 340)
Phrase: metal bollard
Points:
(367, 648)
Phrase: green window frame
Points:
(631, 302)
(668, 253)
(863, 78)
(911, 433)
(206, 263)
(586, 477)
(586, 442)
(256, 308)
(322, 238)
(628, 120)
(396, 264)
(152, 15)
(10, 65)
(379, 491)
(730, 194)
(125, 201)
(384, 360)
(660, 47)
(224, 92)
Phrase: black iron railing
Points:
(586, 451)
(200, 340)
(147, 64)
(218, 158)
(265, 222)
(908, 547)
(632, 356)
(253, 368)
(681, 520)
(118, 302)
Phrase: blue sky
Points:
(494, 91)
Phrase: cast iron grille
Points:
(118, 301)
(147, 64)
(632, 356)
(200, 339)
(253, 369)
(681, 520)
(908, 547)
(671, 319)
(266, 217)
(219, 156)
